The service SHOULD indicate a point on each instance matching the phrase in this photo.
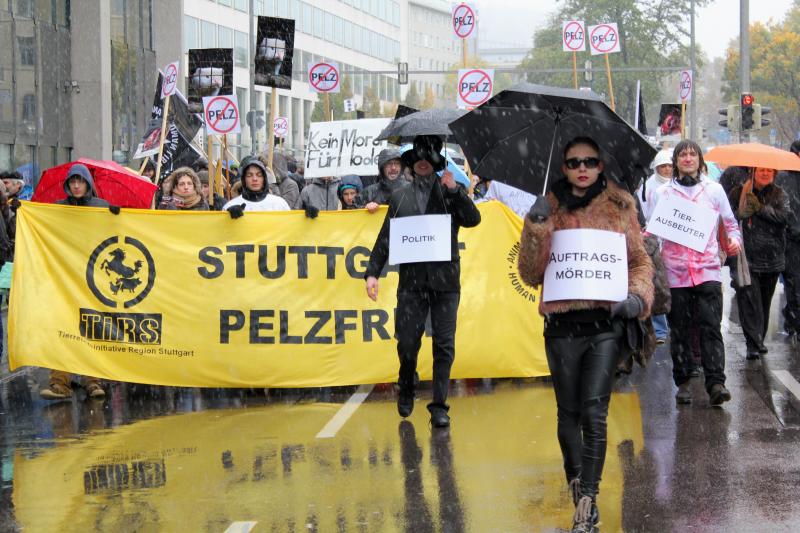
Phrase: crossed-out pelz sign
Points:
(685, 88)
(324, 77)
(221, 114)
(604, 39)
(474, 87)
(573, 36)
(281, 126)
(464, 21)
(170, 79)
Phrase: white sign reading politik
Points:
(419, 239)
(682, 221)
(586, 264)
(344, 147)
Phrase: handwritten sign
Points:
(682, 221)
(344, 147)
(586, 264)
(419, 239)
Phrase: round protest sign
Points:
(463, 21)
(221, 114)
(281, 126)
(324, 77)
(474, 87)
(574, 37)
(604, 38)
(685, 88)
(170, 80)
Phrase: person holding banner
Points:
(255, 191)
(425, 286)
(694, 274)
(583, 335)
(182, 192)
(390, 177)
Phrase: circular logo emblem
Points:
(120, 273)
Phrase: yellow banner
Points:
(271, 299)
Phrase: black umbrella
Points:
(518, 136)
(428, 122)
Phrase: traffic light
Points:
(255, 119)
(587, 70)
(747, 102)
(758, 115)
(731, 114)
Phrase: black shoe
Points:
(695, 373)
(753, 355)
(405, 403)
(440, 418)
(763, 349)
(718, 394)
(684, 395)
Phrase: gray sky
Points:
(716, 24)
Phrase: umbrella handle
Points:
(550, 158)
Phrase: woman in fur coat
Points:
(582, 337)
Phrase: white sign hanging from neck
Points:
(419, 239)
(683, 222)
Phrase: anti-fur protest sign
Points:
(210, 74)
(586, 264)
(344, 147)
(274, 52)
(683, 222)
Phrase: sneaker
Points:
(753, 355)
(661, 340)
(718, 394)
(586, 516)
(695, 373)
(56, 392)
(94, 390)
(684, 395)
(405, 403)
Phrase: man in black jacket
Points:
(425, 286)
(789, 181)
(390, 178)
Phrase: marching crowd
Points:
(674, 292)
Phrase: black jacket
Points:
(381, 192)
(764, 233)
(440, 276)
(789, 181)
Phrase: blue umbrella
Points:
(459, 175)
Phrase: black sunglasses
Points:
(588, 162)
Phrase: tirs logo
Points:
(120, 274)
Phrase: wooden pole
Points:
(144, 164)
(161, 148)
(273, 114)
(210, 156)
(328, 116)
(575, 69)
(225, 156)
(610, 85)
(683, 119)
(464, 52)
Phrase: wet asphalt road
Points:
(173, 459)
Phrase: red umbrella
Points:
(113, 183)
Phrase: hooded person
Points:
(789, 181)
(662, 174)
(320, 195)
(348, 192)
(433, 286)
(183, 192)
(282, 185)
(79, 186)
(255, 191)
(390, 178)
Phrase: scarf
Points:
(563, 191)
(254, 196)
(688, 181)
(189, 200)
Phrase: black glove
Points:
(114, 209)
(630, 307)
(14, 203)
(540, 210)
(311, 211)
(236, 211)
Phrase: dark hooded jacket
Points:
(287, 187)
(351, 181)
(90, 199)
(381, 191)
(789, 181)
(764, 233)
(321, 194)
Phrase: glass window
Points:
(338, 30)
(358, 81)
(191, 33)
(328, 27)
(224, 2)
(27, 51)
(348, 34)
(241, 5)
(294, 9)
(307, 20)
(357, 4)
(270, 7)
(374, 44)
(240, 49)
(258, 7)
(319, 24)
(208, 34)
(25, 8)
(29, 107)
(365, 40)
(224, 37)
(396, 14)
(283, 8)
(382, 9)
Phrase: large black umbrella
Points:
(428, 122)
(518, 136)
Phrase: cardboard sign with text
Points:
(419, 239)
(586, 264)
(344, 147)
(681, 221)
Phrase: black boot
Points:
(586, 516)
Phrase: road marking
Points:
(343, 415)
(241, 527)
(785, 377)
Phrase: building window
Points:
(208, 34)
(307, 20)
(27, 51)
(319, 23)
(24, 8)
(191, 33)
(338, 30)
(241, 5)
(224, 37)
(328, 27)
(29, 107)
(241, 50)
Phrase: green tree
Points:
(774, 67)
(372, 104)
(430, 99)
(652, 33)
(412, 97)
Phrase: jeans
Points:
(660, 326)
(412, 310)
(582, 369)
(701, 305)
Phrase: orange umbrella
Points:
(753, 155)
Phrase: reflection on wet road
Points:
(168, 459)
